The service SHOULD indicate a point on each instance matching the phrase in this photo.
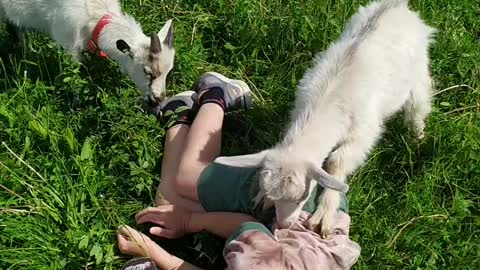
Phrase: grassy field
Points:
(78, 156)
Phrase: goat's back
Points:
(370, 71)
(48, 15)
(389, 57)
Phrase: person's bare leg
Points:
(174, 147)
(202, 147)
(177, 109)
(216, 94)
(174, 142)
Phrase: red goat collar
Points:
(92, 44)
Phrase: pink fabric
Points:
(294, 248)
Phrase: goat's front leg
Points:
(324, 217)
(341, 162)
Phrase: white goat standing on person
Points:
(99, 25)
(378, 66)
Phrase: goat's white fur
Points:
(378, 65)
(71, 22)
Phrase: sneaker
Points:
(174, 104)
(236, 94)
(159, 110)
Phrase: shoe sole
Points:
(179, 96)
(189, 94)
(247, 92)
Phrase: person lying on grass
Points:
(197, 194)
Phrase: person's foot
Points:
(179, 103)
(230, 94)
(179, 109)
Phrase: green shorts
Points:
(223, 188)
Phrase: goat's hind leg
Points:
(418, 106)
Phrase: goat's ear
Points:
(251, 161)
(326, 180)
(166, 34)
(124, 47)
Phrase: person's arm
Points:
(175, 221)
(174, 264)
(133, 242)
(222, 224)
(167, 261)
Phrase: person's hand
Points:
(174, 221)
(133, 242)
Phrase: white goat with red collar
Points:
(377, 67)
(78, 25)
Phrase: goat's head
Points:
(148, 63)
(285, 180)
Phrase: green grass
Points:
(92, 157)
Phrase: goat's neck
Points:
(120, 27)
(318, 137)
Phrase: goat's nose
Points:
(155, 101)
(152, 107)
(159, 98)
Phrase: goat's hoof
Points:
(326, 230)
(313, 222)
(420, 135)
(322, 223)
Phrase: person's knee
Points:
(168, 191)
(186, 179)
(182, 185)
(164, 193)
